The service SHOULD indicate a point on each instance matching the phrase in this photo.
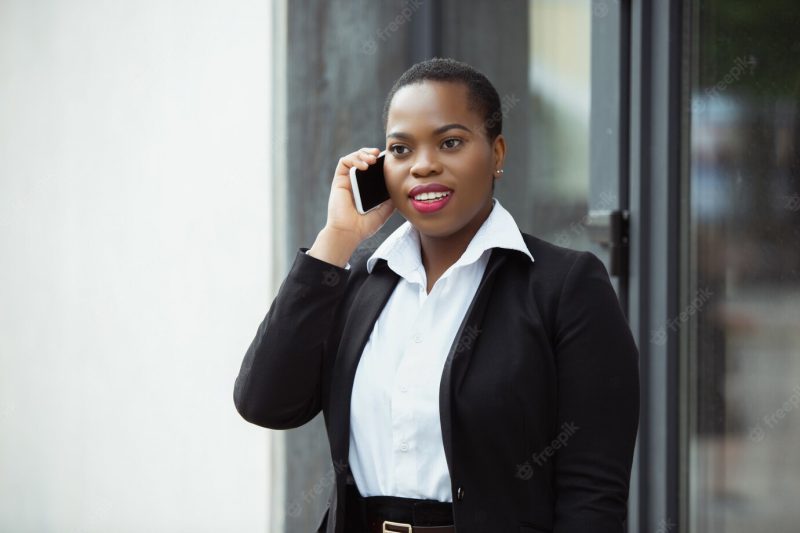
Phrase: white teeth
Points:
(431, 195)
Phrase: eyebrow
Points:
(437, 131)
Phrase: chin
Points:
(434, 228)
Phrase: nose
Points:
(425, 163)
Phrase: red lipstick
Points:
(429, 206)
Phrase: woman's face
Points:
(423, 147)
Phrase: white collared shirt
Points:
(396, 446)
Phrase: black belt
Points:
(389, 514)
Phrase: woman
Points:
(472, 377)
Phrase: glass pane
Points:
(545, 95)
(559, 75)
(743, 285)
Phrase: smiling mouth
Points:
(431, 197)
(432, 204)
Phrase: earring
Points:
(499, 171)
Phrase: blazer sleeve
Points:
(598, 402)
(279, 385)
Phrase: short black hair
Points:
(481, 94)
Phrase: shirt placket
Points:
(404, 429)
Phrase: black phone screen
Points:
(372, 185)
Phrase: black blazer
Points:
(539, 397)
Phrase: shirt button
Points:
(417, 338)
(460, 493)
(403, 446)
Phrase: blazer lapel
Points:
(364, 312)
(461, 350)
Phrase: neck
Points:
(439, 253)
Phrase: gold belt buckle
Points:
(387, 523)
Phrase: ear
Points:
(499, 151)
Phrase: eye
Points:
(391, 149)
(453, 139)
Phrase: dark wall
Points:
(343, 58)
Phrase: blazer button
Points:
(460, 493)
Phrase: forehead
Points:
(429, 104)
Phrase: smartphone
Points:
(369, 186)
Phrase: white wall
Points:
(134, 262)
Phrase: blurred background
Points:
(161, 162)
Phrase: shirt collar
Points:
(402, 251)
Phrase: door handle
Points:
(610, 229)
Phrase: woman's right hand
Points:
(343, 218)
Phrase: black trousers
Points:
(365, 514)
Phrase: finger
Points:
(361, 160)
(345, 163)
(366, 156)
(370, 153)
(361, 163)
(354, 159)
